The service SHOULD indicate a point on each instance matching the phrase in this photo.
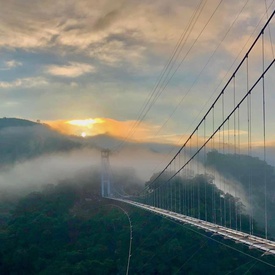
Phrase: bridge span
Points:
(229, 143)
(253, 242)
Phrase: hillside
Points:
(252, 174)
(22, 139)
(62, 231)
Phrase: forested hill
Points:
(69, 229)
(252, 174)
(245, 169)
(22, 139)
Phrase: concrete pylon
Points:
(105, 173)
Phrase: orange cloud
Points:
(96, 126)
(144, 132)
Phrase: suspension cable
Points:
(218, 97)
(264, 137)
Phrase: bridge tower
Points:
(105, 173)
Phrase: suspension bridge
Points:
(194, 187)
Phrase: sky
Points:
(99, 61)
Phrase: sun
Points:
(84, 127)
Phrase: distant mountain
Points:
(22, 139)
(15, 122)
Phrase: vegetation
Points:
(253, 175)
(199, 197)
(22, 139)
(69, 229)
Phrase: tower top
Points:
(105, 153)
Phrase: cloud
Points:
(81, 24)
(8, 65)
(12, 64)
(98, 126)
(28, 82)
(72, 70)
(143, 132)
(113, 31)
(134, 37)
(118, 51)
(31, 175)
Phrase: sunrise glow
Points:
(85, 122)
(105, 126)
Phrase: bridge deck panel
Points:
(267, 246)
